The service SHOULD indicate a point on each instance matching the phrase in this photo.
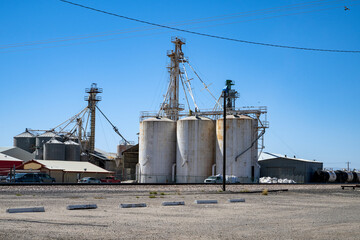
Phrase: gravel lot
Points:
(302, 212)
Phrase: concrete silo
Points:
(54, 150)
(195, 153)
(72, 151)
(241, 147)
(25, 141)
(157, 150)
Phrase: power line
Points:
(265, 11)
(212, 36)
(182, 23)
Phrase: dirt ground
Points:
(302, 212)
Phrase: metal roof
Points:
(71, 166)
(104, 155)
(196, 118)
(17, 153)
(25, 135)
(69, 142)
(49, 134)
(267, 156)
(4, 157)
(54, 141)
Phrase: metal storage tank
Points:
(54, 150)
(241, 134)
(356, 176)
(72, 151)
(25, 141)
(195, 149)
(41, 140)
(157, 150)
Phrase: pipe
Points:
(173, 172)
(213, 170)
(137, 175)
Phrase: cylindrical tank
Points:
(54, 150)
(241, 147)
(157, 150)
(72, 151)
(350, 176)
(325, 176)
(25, 141)
(341, 176)
(41, 140)
(356, 176)
(195, 149)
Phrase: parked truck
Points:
(110, 179)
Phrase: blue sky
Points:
(312, 97)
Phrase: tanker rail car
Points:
(338, 176)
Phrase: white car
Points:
(219, 179)
(214, 179)
(89, 180)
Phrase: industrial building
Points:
(66, 171)
(7, 162)
(129, 157)
(17, 153)
(187, 146)
(282, 166)
(70, 141)
(174, 145)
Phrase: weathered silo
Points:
(195, 149)
(41, 140)
(241, 147)
(72, 151)
(157, 150)
(25, 141)
(54, 150)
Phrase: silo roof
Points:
(54, 141)
(25, 135)
(160, 119)
(69, 142)
(237, 117)
(196, 118)
(49, 134)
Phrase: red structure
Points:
(7, 163)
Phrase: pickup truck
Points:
(219, 179)
(110, 179)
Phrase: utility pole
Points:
(176, 56)
(225, 91)
(92, 100)
(348, 165)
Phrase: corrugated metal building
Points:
(281, 166)
(18, 153)
(105, 159)
(129, 159)
(66, 171)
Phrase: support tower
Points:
(172, 107)
(92, 100)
